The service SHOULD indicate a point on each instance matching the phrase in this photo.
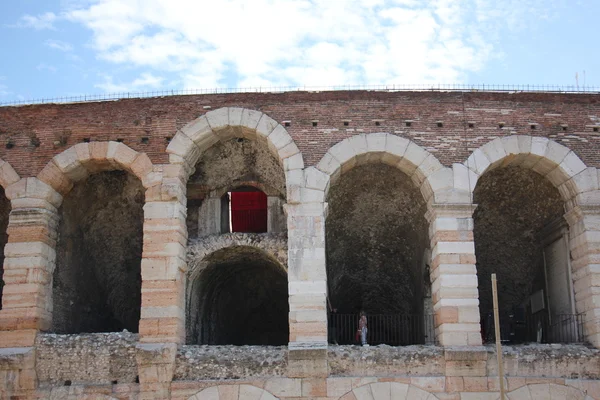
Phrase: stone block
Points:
(494, 151)
(284, 387)
(363, 393)
(399, 391)
(307, 363)
(68, 162)
(337, 387)
(463, 178)
(293, 162)
(315, 179)
(54, 177)
(288, 151)
(307, 287)
(572, 164)
(343, 152)
(8, 176)
(124, 155)
(17, 338)
(250, 118)
(413, 157)
(265, 126)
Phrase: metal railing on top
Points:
(516, 328)
(281, 89)
(393, 330)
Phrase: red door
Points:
(248, 212)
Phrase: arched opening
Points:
(520, 234)
(238, 297)
(376, 241)
(97, 279)
(238, 186)
(4, 213)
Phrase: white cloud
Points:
(146, 81)
(298, 42)
(59, 45)
(46, 67)
(39, 22)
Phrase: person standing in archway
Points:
(362, 328)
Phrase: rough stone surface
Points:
(226, 165)
(98, 358)
(513, 205)
(376, 236)
(96, 286)
(385, 360)
(4, 212)
(229, 362)
(555, 360)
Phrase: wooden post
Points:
(498, 338)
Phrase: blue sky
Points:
(54, 48)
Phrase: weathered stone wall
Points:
(228, 164)
(97, 281)
(376, 235)
(98, 358)
(513, 205)
(386, 361)
(443, 142)
(195, 363)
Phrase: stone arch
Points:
(543, 391)
(233, 392)
(559, 164)
(231, 277)
(229, 122)
(50, 188)
(273, 246)
(388, 390)
(423, 168)
(83, 159)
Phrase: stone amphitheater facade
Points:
(444, 142)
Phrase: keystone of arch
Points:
(435, 181)
(576, 182)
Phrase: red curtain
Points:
(248, 212)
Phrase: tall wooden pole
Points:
(498, 338)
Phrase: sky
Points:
(56, 48)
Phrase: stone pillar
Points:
(275, 217)
(307, 290)
(29, 262)
(209, 217)
(162, 320)
(453, 275)
(584, 241)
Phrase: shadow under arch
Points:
(238, 295)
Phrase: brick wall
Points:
(55, 127)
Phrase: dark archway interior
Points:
(239, 298)
(4, 213)
(376, 236)
(97, 280)
(514, 204)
